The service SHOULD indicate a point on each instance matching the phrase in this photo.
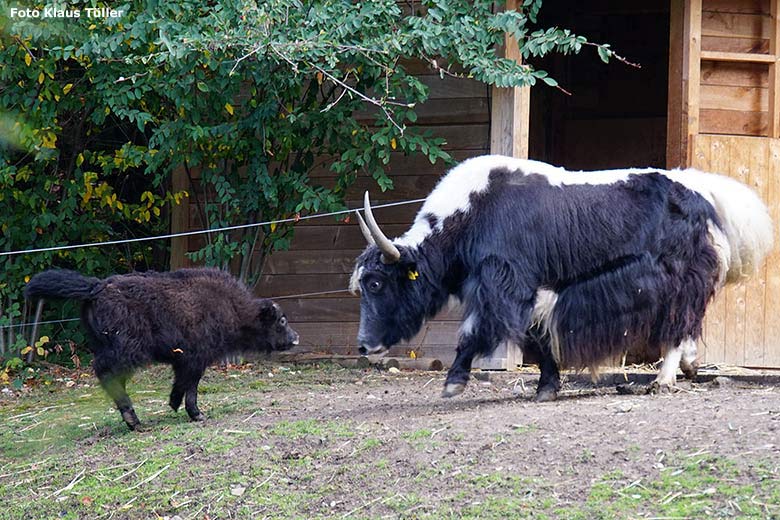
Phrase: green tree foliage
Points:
(246, 98)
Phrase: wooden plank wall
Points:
(323, 251)
(742, 326)
(734, 97)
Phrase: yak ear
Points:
(266, 309)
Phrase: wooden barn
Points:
(707, 95)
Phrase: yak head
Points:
(272, 330)
(393, 300)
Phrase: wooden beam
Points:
(774, 71)
(511, 108)
(179, 219)
(692, 72)
(741, 57)
(675, 151)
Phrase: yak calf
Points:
(188, 319)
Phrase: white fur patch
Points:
(451, 195)
(354, 280)
(468, 326)
(667, 376)
(720, 243)
(542, 317)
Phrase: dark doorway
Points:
(616, 114)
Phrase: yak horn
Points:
(390, 253)
(365, 230)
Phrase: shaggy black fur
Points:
(629, 261)
(188, 319)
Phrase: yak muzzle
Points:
(366, 350)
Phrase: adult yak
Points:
(572, 266)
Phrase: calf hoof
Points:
(198, 417)
(453, 389)
(545, 395)
(131, 420)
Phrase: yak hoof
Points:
(656, 388)
(690, 373)
(545, 395)
(198, 418)
(453, 389)
(631, 389)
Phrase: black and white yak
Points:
(574, 267)
(189, 319)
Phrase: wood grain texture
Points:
(741, 326)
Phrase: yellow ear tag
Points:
(413, 275)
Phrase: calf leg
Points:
(185, 386)
(114, 385)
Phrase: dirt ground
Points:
(287, 441)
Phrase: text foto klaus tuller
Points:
(54, 12)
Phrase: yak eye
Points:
(374, 285)
(283, 321)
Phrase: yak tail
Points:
(746, 224)
(61, 283)
(745, 236)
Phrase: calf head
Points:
(272, 331)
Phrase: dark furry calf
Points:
(189, 319)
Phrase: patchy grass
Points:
(305, 443)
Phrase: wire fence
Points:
(191, 233)
(202, 231)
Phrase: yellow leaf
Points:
(413, 354)
(393, 143)
(27, 58)
(26, 279)
(156, 211)
(273, 227)
(67, 88)
(79, 159)
(26, 350)
(229, 108)
(40, 351)
(41, 77)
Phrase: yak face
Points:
(392, 304)
(273, 332)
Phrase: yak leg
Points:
(688, 364)
(549, 379)
(550, 376)
(458, 375)
(114, 385)
(667, 376)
